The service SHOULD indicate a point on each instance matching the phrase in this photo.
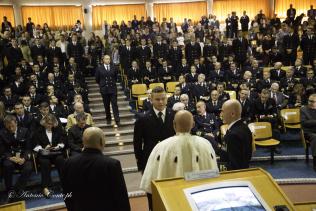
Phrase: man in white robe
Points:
(179, 154)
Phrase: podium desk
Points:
(168, 194)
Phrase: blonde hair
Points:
(49, 118)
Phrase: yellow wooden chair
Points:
(262, 136)
(20, 206)
(267, 69)
(232, 94)
(140, 101)
(291, 118)
(138, 89)
(170, 86)
(153, 85)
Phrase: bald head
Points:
(183, 122)
(93, 137)
(231, 111)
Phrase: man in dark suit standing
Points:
(290, 44)
(154, 126)
(290, 13)
(192, 50)
(93, 181)
(308, 45)
(106, 76)
(29, 26)
(75, 49)
(238, 137)
(6, 25)
(244, 21)
(240, 48)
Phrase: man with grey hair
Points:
(93, 181)
(279, 98)
(184, 98)
(277, 73)
(238, 137)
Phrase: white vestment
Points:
(175, 156)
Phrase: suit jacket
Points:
(37, 51)
(51, 53)
(95, 182)
(244, 20)
(269, 109)
(281, 100)
(106, 79)
(58, 137)
(172, 100)
(75, 51)
(25, 121)
(300, 72)
(147, 105)
(239, 146)
(75, 137)
(275, 76)
(9, 103)
(127, 56)
(308, 119)
(9, 145)
(148, 131)
(175, 57)
(192, 52)
(160, 51)
(215, 109)
(247, 110)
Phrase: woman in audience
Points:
(50, 141)
(298, 97)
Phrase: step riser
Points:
(112, 134)
(93, 91)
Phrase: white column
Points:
(17, 14)
(271, 7)
(86, 4)
(150, 10)
(209, 4)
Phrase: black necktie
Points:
(160, 117)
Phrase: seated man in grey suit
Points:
(279, 98)
(308, 120)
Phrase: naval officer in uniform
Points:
(106, 76)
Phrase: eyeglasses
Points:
(312, 101)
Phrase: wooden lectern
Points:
(168, 194)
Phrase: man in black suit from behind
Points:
(106, 77)
(92, 181)
(238, 137)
